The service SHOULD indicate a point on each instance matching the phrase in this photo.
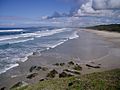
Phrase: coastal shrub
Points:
(107, 80)
(111, 27)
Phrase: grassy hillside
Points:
(109, 80)
(111, 27)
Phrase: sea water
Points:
(16, 44)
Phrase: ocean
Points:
(16, 44)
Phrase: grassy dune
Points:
(111, 27)
(108, 80)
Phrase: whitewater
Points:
(17, 44)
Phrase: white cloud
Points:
(99, 4)
(7, 24)
(100, 8)
(106, 4)
(44, 17)
(114, 4)
(87, 8)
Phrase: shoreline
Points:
(38, 53)
(83, 50)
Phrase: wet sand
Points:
(92, 48)
(112, 59)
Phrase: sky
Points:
(36, 12)
(32, 8)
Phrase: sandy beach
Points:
(93, 51)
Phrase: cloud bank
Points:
(100, 8)
(107, 8)
(106, 4)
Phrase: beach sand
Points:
(92, 48)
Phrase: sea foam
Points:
(21, 54)
(32, 35)
(8, 67)
(13, 30)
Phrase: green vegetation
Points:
(111, 27)
(108, 80)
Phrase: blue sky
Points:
(19, 11)
(14, 13)
(33, 8)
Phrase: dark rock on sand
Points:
(71, 63)
(56, 64)
(38, 68)
(92, 62)
(41, 80)
(92, 66)
(77, 67)
(44, 68)
(52, 73)
(32, 68)
(32, 75)
(36, 53)
(64, 74)
(3, 88)
(19, 84)
(59, 64)
(71, 71)
(62, 64)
